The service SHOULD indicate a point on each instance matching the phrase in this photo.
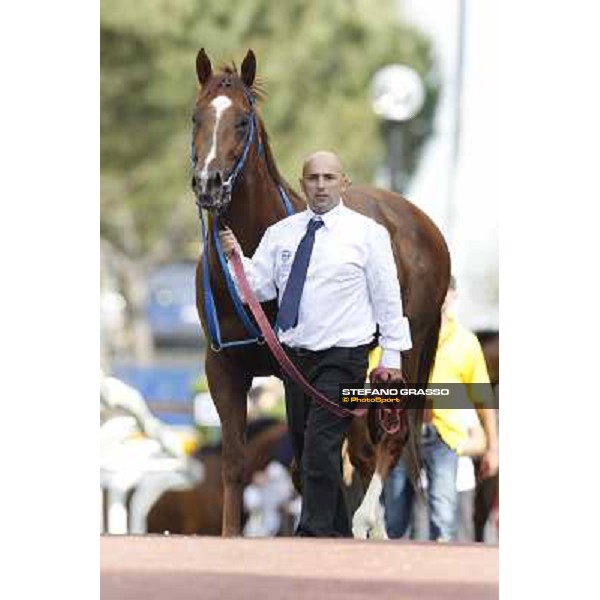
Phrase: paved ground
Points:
(186, 568)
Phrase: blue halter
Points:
(210, 308)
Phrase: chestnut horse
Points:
(235, 179)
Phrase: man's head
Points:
(323, 181)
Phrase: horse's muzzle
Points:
(211, 194)
(216, 201)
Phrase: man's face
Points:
(322, 182)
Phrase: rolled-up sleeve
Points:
(384, 292)
(259, 270)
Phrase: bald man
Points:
(333, 273)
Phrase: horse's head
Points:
(224, 127)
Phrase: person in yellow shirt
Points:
(459, 360)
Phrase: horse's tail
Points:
(414, 416)
(428, 352)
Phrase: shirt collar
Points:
(330, 218)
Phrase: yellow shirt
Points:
(459, 359)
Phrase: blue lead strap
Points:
(210, 307)
(235, 297)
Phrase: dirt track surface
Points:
(186, 568)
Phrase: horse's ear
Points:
(203, 67)
(249, 69)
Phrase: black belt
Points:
(306, 352)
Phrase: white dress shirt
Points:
(351, 283)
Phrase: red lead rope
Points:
(286, 364)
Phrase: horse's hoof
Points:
(361, 525)
(377, 533)
(378, 530)
(359, 533)
(373, 527)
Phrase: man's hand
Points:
(489, 463)
(229, 242)
(386, 375)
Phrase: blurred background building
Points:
(454, 182)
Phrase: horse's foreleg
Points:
(361, 459)
(361, 450)
(368, 520)
(233, 457)
(229, 392)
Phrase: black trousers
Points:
(317, 435)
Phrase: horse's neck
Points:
(256, 204)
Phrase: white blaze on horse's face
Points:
(220, 105)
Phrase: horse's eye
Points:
(242, 123)
(195, 119)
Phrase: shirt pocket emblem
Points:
(283, 268)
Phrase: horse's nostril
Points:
(215, 181)
(194, 182)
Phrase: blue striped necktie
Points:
(288, 310)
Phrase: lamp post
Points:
(398, 94)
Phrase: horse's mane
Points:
(271, 165)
